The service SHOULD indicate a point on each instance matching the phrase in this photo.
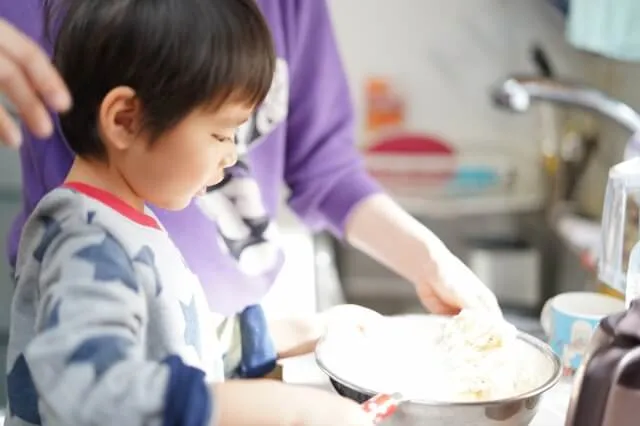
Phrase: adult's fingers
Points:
(28, 80)
(35, 63)
(15, 85)
(435, 302)
(476, 295)
(490, 303)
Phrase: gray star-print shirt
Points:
(109, 326)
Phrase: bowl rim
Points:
(534, 341)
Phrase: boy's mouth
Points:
(208, 188)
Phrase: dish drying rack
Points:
(464, 184)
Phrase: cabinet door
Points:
(10, 176)
(9, 207)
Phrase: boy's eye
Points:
(221, 138)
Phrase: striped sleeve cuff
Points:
(259, 355)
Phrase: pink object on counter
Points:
(411, 143)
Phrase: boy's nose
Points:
(230, 158)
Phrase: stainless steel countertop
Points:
(303, 371)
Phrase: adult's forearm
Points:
(379, 227)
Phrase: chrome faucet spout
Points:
(517, 92)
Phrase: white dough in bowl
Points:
(426, 357)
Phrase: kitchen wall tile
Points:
(446, 55)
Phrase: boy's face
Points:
(188, 158)
(185, 160)
(182, 162)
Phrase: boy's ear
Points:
(120, 117)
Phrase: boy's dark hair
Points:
(176, 54)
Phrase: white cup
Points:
(569, 320)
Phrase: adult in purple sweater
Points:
(302, 135)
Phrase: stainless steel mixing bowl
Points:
(515, 411)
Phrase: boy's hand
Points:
(330, 409)
(268, 403)
(299, 336)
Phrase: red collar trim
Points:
(115, 203)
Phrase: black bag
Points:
(606, 390)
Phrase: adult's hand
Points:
(31, 83)
(447, 285)
(381, 228)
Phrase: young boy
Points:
(108, 324)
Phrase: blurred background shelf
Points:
(472, 205)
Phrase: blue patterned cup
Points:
(569, 320)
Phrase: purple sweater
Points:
(311, 149)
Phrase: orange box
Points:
(385, 107)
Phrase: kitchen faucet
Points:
(516, 93)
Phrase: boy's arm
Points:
(296, 336)
(270, 403)
(88, 361)
(299, 335)
(252, 344)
